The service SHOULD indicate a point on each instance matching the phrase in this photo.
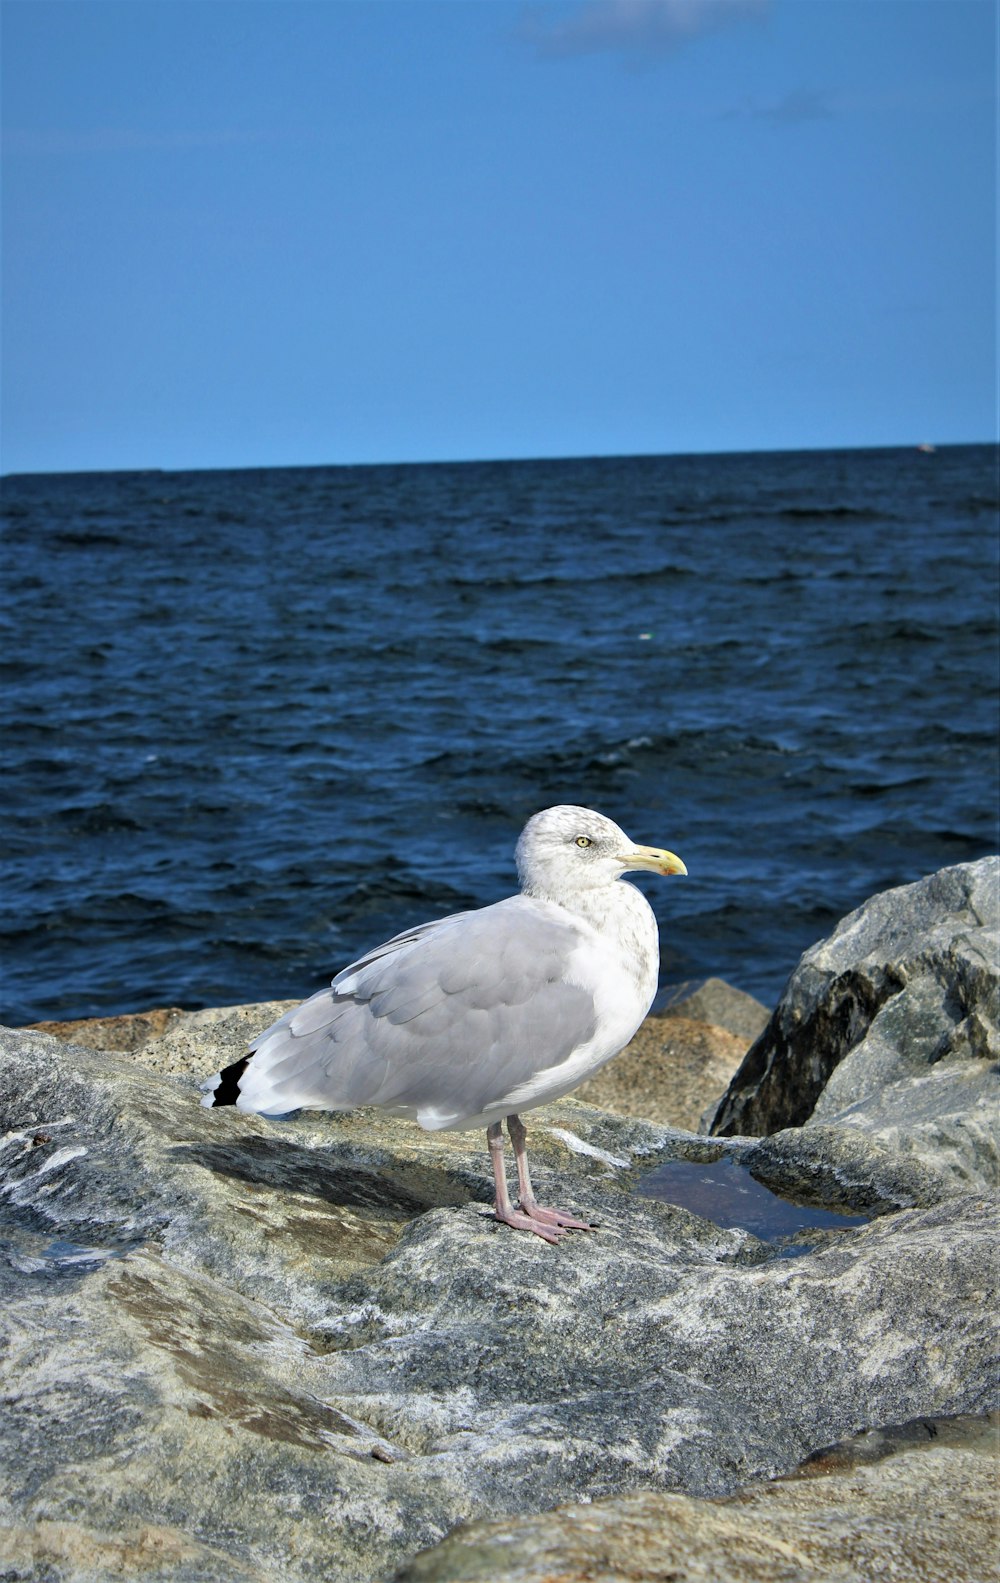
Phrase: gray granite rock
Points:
(225, 1031)
(889, 1027)
(915, 1506)
(236, 1349)
(842, 1170)
(241, 1350)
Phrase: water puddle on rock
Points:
(43, 1253)
(724, 1192)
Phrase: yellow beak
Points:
(656, 859)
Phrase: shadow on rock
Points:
(386, 1186)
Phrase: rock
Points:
(169, 1039)
(236, 1349)
(713, 1000)
(226, 1031)
(889, 1027)
(125, 1033)
(241, 1349)
(674, 1070)
(53, 1551)
(841, 1169)
(918, 1504)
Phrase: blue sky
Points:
(263, 232)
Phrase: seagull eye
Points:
(584, 840)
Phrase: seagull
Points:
(469, 1020)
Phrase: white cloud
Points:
(633, 27)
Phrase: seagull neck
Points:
(598, 905)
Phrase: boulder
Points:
(713, 1000)
(915, 1504)
(236, 1349)
(225, 1031)
(243, 1349)
(127, 1033)
(674, 1070)
(889, 1028)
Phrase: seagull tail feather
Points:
(224, 1087)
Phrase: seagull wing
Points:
(442, 1022)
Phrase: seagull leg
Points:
(504, 1210)
(526, 1193)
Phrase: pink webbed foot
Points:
(549, 1224)
(556, 1217)
(519, 1221)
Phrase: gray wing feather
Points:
(447, 1018)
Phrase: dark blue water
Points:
(255, 721)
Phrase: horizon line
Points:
(920, 447)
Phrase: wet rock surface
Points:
(240, 1349)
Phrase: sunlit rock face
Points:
(918, 1503)
(890, 1026)
(247, 1350)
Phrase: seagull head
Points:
(568, 849)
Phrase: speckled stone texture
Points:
(672, 1071)
(234, 1349)
(891, 1026)
(921, 1510)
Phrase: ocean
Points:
(256, 721)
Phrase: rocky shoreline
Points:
(240, 1350)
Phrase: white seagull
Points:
(478, 1016)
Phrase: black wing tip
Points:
(227, 1090)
